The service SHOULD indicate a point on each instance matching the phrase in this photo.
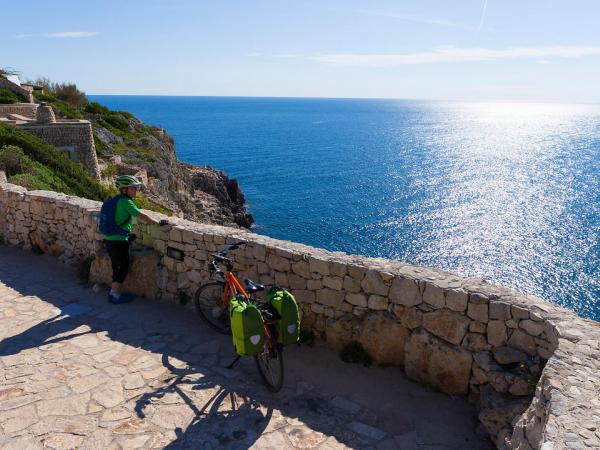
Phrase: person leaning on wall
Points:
(116, 223)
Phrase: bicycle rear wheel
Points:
(209, 301)
(270, 367)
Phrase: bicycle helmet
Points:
(126, 181)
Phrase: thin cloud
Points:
(71, 34)
(456, 55)
(409, 18)
(61, 35)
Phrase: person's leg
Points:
(119, 257)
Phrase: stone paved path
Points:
(77, 372)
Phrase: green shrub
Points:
(96, 108)
(355, 353)
(116, 120)
(109, 171)
(7, 97)
(11, 159)
(73, 178)
(144, 202)
(62, 108)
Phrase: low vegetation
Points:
(355, 353)
(33, 163)
(8, 97)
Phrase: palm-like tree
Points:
(7, 71)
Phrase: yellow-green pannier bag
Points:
(246, 327)
(288, 327)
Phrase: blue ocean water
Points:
(506, 192)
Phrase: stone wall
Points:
(25, 92)
(74, 136)
(532, 367)
(28, 110)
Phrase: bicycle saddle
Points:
(251, 286)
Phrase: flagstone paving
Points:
(78, 372)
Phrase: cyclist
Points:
(117, 245)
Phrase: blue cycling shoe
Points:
(120, 298)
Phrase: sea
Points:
(508, 192)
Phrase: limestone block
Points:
(373, 283)
(405, 291)
(411, 318)
(383, 338)
(259, 252)
(301, 268)
(478, 311)
(335, 283)
(263, 268)
(356, 272)
(193, 263)
(508, 355)
(143, 276)
(339, 332)
(377, 302)
(430, 360)
(175, 235)
(351, 284)
(318, 266)
(317, 308)
(267, 280)
(531, 327)
(337, 269)
(314, 285)
(356, 299)
(496, 333)
(475, 342)
(329, 297)
(296, 281)
(448, 325)
(523, 341)
(457, 299)
(195, 276)
(499, 310)
(281, 279)
(477, 327)
(278, 263)
(519, 313)
(434, 296)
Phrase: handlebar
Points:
(233, 246)
(222, 258)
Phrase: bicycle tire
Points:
(208, 299)
(264, 361)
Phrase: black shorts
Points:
(119, 258)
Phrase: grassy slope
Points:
(49, 169)
(52, 169)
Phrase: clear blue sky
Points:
(535, 50)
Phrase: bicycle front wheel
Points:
(209, 304)
(270, 367)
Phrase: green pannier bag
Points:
(246, 327)
(288, 328)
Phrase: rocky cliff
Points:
(195, 193)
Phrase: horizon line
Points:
(544, 102)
